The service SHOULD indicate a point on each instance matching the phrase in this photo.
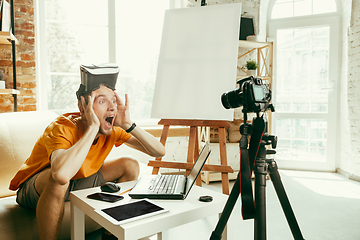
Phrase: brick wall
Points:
(354, 88)
(25, 60)
(349, 120)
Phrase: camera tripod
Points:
(262, 166)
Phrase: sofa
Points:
(18, 134)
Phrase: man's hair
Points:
(85, 94)
(81, 91)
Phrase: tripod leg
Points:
(285, 204)
(229, 206)
(260, 171)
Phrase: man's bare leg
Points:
(50, 207)
(121, 170)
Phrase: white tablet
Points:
(131, 211)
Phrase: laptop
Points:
(170, 186)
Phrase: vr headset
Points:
(92, 76)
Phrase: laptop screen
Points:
(197, 167)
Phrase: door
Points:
(305, 92)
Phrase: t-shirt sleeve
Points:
(59, 137)
(122, 136)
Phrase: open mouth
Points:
(109, 120)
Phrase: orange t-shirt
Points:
(63, 133)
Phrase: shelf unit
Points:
(264, 57)
(9, 91)
(264, 52)
(8, 38)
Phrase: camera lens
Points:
(232, 99)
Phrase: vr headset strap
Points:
(247, 161)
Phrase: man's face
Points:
(105, 109)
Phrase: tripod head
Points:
(247, 129)
(268, 139)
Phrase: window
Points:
(138, 36)
(88, 31)
(305, 80)
(302, 63)
(295, 8)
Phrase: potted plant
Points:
(251, 67)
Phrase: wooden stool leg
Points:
(163, 138)
(223, 160)
(196, 155)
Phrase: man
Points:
(71, 152)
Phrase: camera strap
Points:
(247, 161)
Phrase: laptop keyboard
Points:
(164, 184)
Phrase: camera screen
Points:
(258, 93)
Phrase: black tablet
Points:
(133, 211)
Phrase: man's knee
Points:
(121, 170)
(132, 167)
(45, 182)
(57, 190)
(30, 191)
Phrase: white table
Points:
(181, 212)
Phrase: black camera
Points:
(252, 94)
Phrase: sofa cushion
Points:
(18, 223)
(19, 132)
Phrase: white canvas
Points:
(197, 62)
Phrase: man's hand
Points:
(122, 118)
(89, 114)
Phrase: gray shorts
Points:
(28, 197)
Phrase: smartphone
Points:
(105, 197)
